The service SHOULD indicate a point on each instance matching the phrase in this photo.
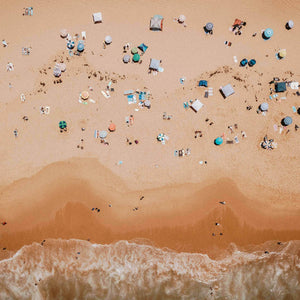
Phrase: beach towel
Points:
(128, 92)
(105, 94)
(186, 104)
(96, 133)
(131, 99)
(236, 140)
(294, 109)
(22, 96)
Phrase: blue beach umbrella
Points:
(80, 47)
(70, 45)
(287, 121)
(218, 141)
(268, 33)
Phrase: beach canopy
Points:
(290, 24)
(287, 121)
(64, 33)
(227, 90)
(251, 62)
(71, 45)
(209, 26)
(103, 134)
(280, 87)
(268, 33)
(202, 83)
(136, 57)
(108, 39)
(218, 141)
(97, 17)
(156, 23)
(264, 106)
(56, 71)
(237, 22)
(244, 62)
(62, 124)
(197, 105)
(143, 47)
(85, 95)
(126, 58)
(80, 47)
(154, 64)
(181, 18)
(282, 53)
(112, 127)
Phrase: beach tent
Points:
(126, 58)
(136, 57)
(143, 47)
(268, 33)
(218, 141)
(62, 124)
(197, 105)
(80, 47)
(97, 17)
(202, 83)
(227, 90)
(108, 40)
(280, 87)
(154, 64)
(287, 121)
(264, 106)
(156, 23)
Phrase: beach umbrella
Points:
(287, 121)
(64, 33)
(181, 19)
(282, 53)
(134, 50)
(112, 127)
(147, 103)
(218, 141)
(160, 137)
(62, 124)
(85, 95)
(268, 33)
(126, 58)
(71, 45)
(264, 106)
(209, 26)
(80, 47)
(290, 24)
(56, 71)
(62, 67)
(136, 57)
(103, 134)
(108, 39)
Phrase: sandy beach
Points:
(68, 185)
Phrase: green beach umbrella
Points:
(62, 124)
(134, 50)
(136, 57)
(218, 141)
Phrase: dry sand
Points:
(48, 185)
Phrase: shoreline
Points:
(181, 218)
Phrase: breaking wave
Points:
(75, 269)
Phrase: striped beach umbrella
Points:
(62, 124)
(71, 44)
(160, 137)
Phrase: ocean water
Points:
(75, 269)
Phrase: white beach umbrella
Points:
(56, 71)
(108, 39)
(64, 33)
(181, 18)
